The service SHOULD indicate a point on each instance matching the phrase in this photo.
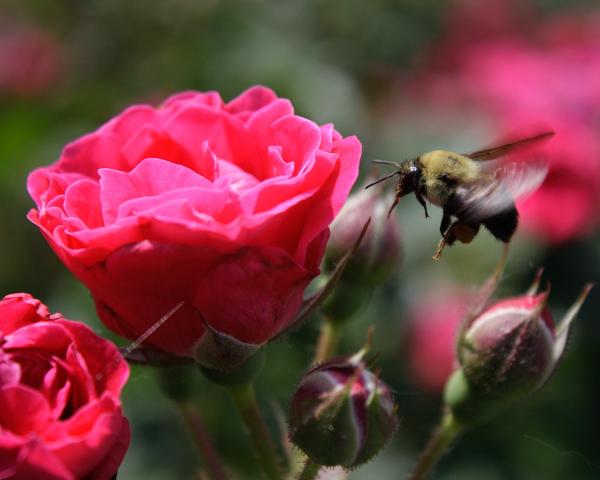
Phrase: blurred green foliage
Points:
(339, 62)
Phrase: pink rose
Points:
(60, 414)
(224, 206)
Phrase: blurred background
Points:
(406, 76)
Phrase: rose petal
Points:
(23, 410)
(96, 432)
(264, 290)
(251, 100)
(34, 460)
(102, 359)
(92, 152)
(18, 310)
(47, 336)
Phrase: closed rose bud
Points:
(509, 347)
(380, 253)
(341, 413)
(509, 350)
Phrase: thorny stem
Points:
(245, 401)
(441, 439)
(205, 445)
(328, 340)
(310, 470)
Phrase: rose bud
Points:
(508, 351)
(60, 413)
(223, 207)
(374, 261)
(341, 413)
(380, 252)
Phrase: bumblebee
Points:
(473, 189)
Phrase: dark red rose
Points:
(60, 413)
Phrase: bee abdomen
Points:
(503, 225)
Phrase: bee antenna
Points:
(385, 162)
(382, 179)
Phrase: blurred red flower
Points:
(224, 206)
(521, 74)
(30, 61)
(433, 325)
(60, 413)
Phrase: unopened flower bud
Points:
(380, 253)
(341, 413)
(511, 349)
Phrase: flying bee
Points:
(471, 190)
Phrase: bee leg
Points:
(421, 200)
(438, 252)
(448, 236)
(445, 224)
(396, 200)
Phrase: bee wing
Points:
(521, 178)
(500, 188)
(511, 147)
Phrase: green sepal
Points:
(243, 375)
(330, 438)
(220, 351)
(381, 426)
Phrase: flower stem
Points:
(439, 442)
(310, 470)
(205, 445)
(328, 340)
(244, 397)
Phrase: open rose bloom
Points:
(222, 206)
(60, 413)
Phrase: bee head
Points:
(409, 173)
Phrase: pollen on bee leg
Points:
(448, 238)
(440, 247)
